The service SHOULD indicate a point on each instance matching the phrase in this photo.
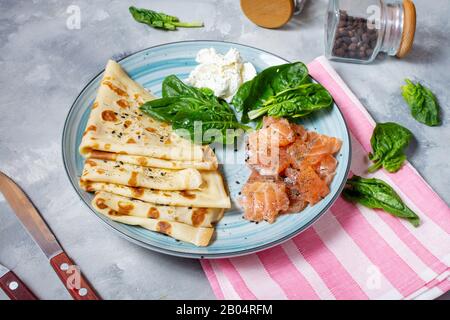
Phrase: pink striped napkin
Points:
(352, 252)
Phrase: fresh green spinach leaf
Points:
(254, 93)
(422, 102)
(211, 126)
(295, 103)
(389, 140)
(377, 194)
(187, 107)
(160, 20)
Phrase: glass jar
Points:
(358, 30)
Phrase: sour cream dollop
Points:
(221, 73)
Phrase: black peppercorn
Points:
(353, 38)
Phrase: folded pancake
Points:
(139, 176)
(211, 193)
(197, 217)
(209, 163)
(117, 125)
(198, 236)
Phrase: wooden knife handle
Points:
(72, 278)
(14, 288)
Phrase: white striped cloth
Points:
(352, 252)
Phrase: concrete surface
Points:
(44, 65)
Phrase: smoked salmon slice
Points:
(310, 186)
(266, 152)
(278, 129)
(292, 168)
(264, 200)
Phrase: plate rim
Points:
(187, 254)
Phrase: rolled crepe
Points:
(211, 193)
(198, 236)
(209, 163)
(197, 217)
(138, 176)
(116, 124)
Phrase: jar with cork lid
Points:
(357, 31)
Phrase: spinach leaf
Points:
(174, 87)
(213, 127)
(388, 143)
(422, 102)
(187, 107)
(160, 20)
(295, 103)
(377, 194)
(254, 93)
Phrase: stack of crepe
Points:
(142, 172)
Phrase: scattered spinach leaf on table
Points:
(160, 20)
(377, 194)
(422, 102)
(389, 141)
(187, 107)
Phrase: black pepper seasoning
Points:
(353, 38)
(357, 31)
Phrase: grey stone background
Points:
(44, 65)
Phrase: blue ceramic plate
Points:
(234, 235)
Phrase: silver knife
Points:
(67, 271)
(14, 288)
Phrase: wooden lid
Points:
(268, 13)
(409, 28)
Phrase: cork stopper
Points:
(409, 28)
(268, 13)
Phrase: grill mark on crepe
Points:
(117, 90)
(90, 162)
(198, 216)
(131, 140)
(142, 161)
(86, 185)
(125, 207)
(103, 155)
(137, 192)
(187, 194)
(153, 213)
(109, 115)
(123, 103)
(95, 105)
(127, 123)
(133, 180)
(152, 130)
(164, 227)
(90, 128)
(112, 212)
(100, 202)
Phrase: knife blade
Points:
(29, 216)
(67, 271)
(14, 288)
